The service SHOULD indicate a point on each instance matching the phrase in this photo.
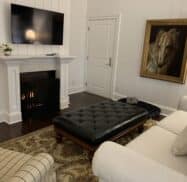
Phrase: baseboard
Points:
(64, 103)
(11, 118)
(75, 90)
(15, 117)
(3, 117)
(117, 96)
(164, 109)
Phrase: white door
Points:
(101, 45)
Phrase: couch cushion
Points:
(39, 168)
(156, 144)
(183, 104)
(175, 123)
(10, 163)
(179, 147)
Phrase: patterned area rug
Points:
(71, 161)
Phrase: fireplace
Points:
(12, 66)
(40, 94)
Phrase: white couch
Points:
(148, 158)
(19, 167)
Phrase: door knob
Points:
(110, 62)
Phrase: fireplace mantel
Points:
(11, 72)
(22, 59)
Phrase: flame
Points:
(30, 35)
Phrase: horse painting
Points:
(162, 52)
(165, 50)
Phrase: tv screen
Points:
(36, 26)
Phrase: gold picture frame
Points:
(165, 50)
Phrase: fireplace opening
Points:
(40, 94)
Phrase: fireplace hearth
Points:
(40, 93)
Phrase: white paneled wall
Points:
(62, 6)
(75, 12)
(134, 14)
(78, 44)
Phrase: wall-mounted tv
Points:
(36, 26)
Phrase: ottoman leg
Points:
(140, 129)
(90, 155)
(59, 138)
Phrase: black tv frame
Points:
(44, 10)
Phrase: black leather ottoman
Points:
(99, 122)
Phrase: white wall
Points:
(134, 15)
(74, 37)
(54, 5)
(77, 44)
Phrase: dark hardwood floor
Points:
(25, 127)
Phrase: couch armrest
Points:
(38, 169)
(113, 162)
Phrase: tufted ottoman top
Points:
(99, 122)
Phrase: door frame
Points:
(117, 18)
